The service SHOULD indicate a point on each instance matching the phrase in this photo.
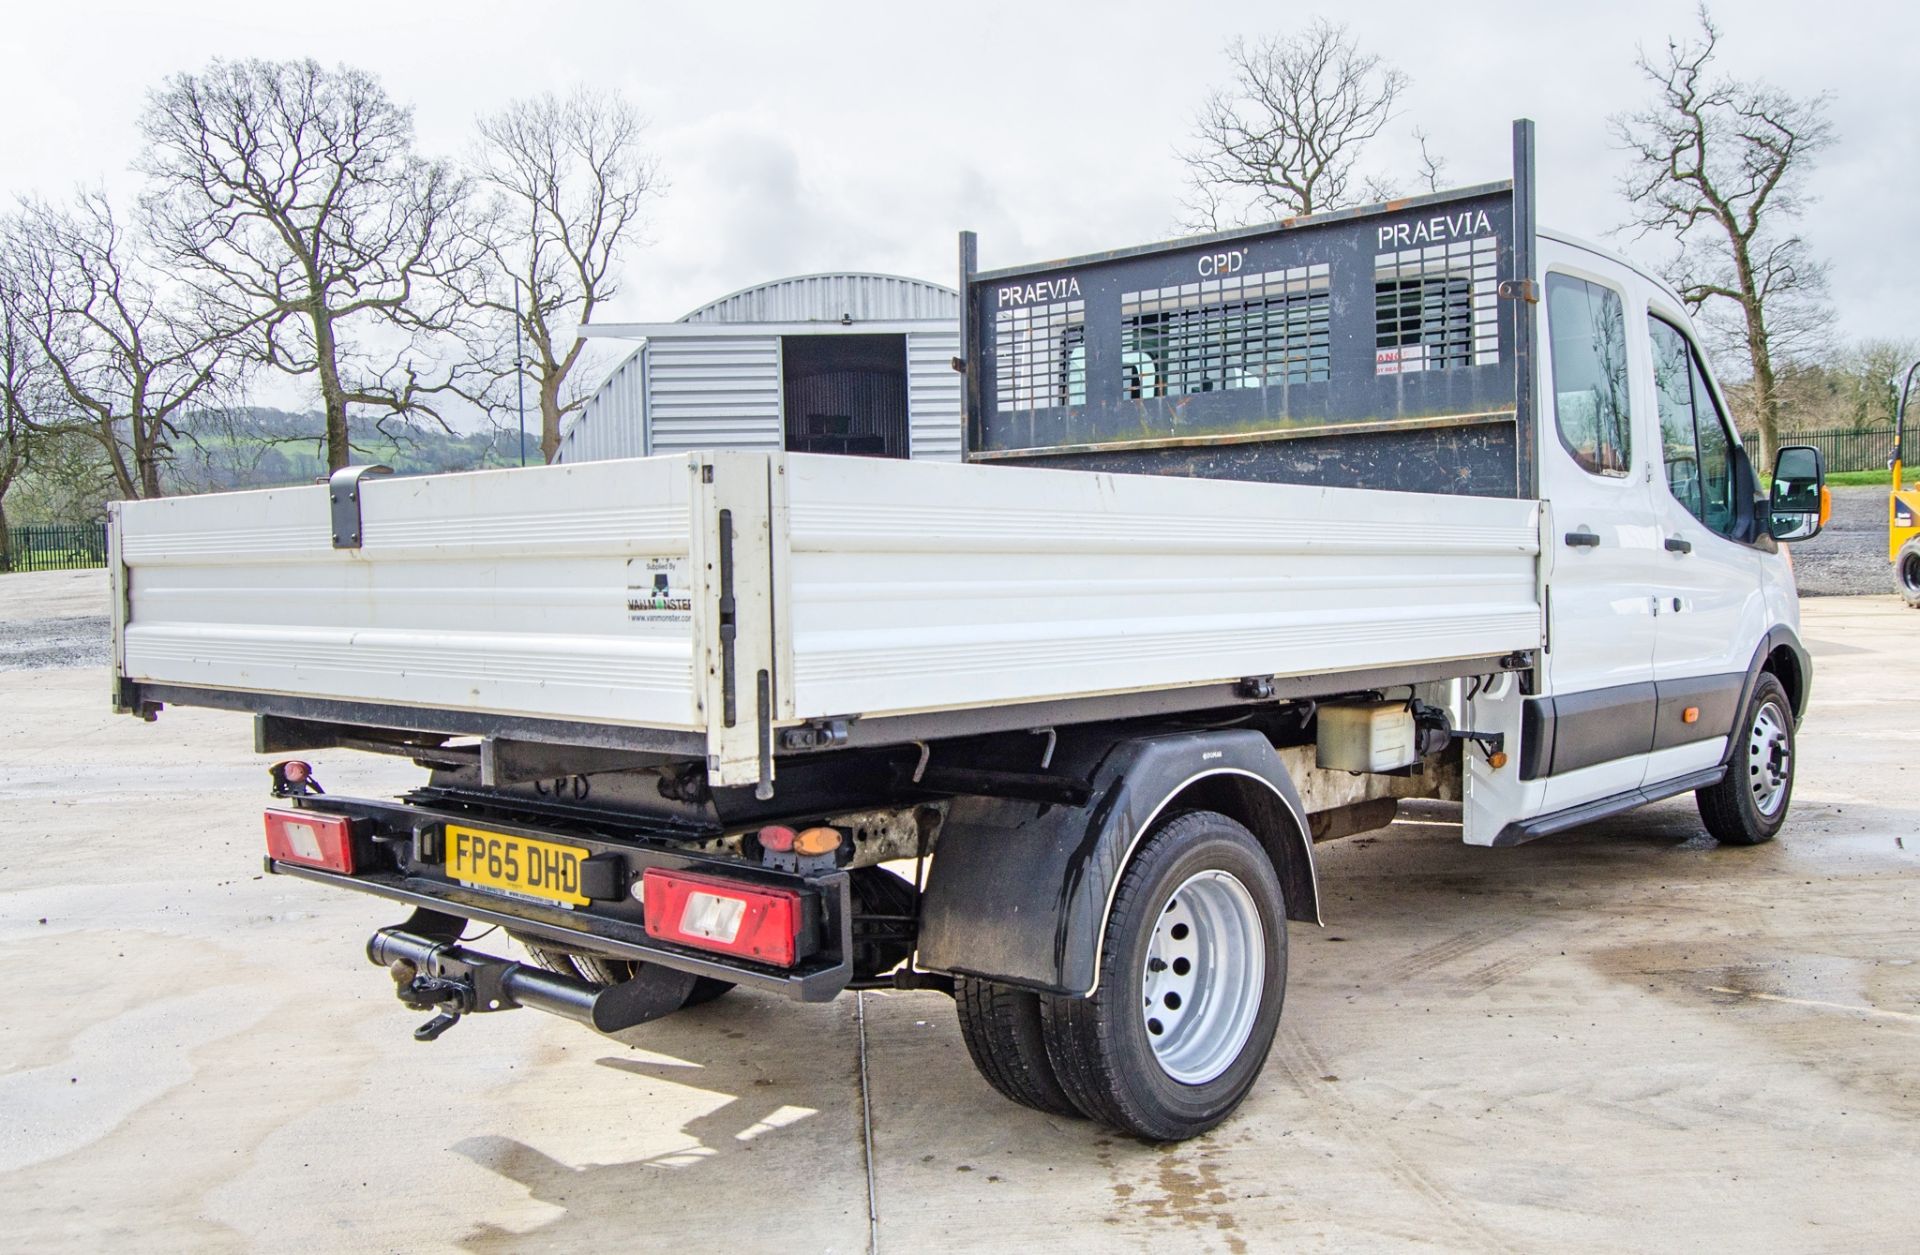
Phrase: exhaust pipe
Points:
(465, 981)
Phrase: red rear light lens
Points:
(311, 840)
(708, 913)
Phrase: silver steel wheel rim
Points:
(1205, 970)
(1769, 759)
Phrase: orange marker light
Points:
(1497, 759)
(1690, 715)
(817, 841)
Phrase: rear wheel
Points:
(1001, 1026)
(1906, 572)
(1749, 804)
(1192, 976)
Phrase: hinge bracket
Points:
(1520, 290)
(820, 734)
(343, 497)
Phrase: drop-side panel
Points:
(558, 592)
(919, 586)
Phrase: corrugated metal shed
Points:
(613, 422)
(701, 388)
(721, 393)
(829, 298)
(933, 395)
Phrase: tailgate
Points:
(553, 592)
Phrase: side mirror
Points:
(1799, 505)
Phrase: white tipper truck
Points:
(1257, 534)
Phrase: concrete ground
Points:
(1624, 1038)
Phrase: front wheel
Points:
(1192, 975)
(1906, 572)
(1749, 804)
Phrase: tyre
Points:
(1192, 974)
(1001, 1026)
(1750, 803)
(1906, 572)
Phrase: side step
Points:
(1522, 831)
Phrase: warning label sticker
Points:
(658, 591)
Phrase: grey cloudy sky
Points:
(802, 137)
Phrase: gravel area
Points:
(53, 619)
(1850, 556)
(31, 644)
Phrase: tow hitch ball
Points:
(421, 992)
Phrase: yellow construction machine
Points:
(1903, 503)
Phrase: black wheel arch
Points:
(1019, 892)
(1781, 653)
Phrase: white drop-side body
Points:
(865, 588)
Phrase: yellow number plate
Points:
(494, 860)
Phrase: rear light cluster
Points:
(311, 840)
(708, 913)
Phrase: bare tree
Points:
(1720, 164)
(119, 354)
(16, 389)
(1432, 168)
(1285, 137)
(565, 182)
(294, 200)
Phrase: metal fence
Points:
(1850, 450)
(54, 547)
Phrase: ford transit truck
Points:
(1257, 534)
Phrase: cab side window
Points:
(1695, 445)
(1587, 328)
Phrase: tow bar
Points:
(439, 976)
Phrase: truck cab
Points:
(1666, 590)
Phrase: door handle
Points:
(1583, 540)
(1676, 545)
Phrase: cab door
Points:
(1593, 728)
(1708, 584)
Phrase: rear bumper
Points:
(613, 927)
